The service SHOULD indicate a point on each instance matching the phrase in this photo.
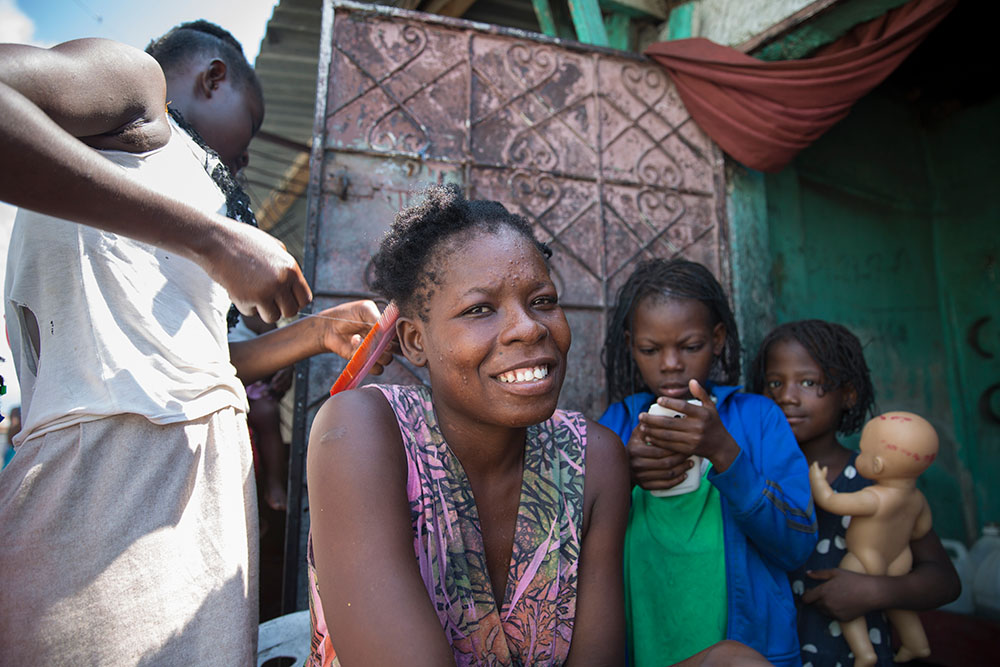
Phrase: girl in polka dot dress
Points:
(816, 372)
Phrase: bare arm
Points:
(931, 583)
(727, 653)
(858, 503)
(57, 104)
(376, 607)
(339, 330)
(599, 628)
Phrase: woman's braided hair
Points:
(839, 355)
(669, 279)
(403, 265)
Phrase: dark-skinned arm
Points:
(931, 583)
(57, 104)
(377, 609)
(599, 627)
(339, 329)
(727, 653)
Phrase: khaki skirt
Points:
(124, 542)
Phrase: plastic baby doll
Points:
(896, 448)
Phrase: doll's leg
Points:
(856, 634)
(912, 638)
(856, 630)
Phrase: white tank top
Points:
(123, 326)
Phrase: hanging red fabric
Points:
(764, 113)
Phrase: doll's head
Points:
(896, 445)
(671, 323)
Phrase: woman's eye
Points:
(478, 309)
(547, 300)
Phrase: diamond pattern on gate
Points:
(596, 150)
(396, 88)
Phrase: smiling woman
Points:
(471, 522)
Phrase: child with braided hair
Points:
(128, 527)
(710, 564)
(816, 372)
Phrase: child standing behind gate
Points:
(710, 564)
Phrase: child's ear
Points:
(718, 338)
(210, 78)
(411, 341)
(850, 396)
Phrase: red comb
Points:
(369, 351)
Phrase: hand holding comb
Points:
(369, 351)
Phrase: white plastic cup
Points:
(693, 479)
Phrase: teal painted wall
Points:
(888, 226)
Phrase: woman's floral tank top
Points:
(535, 619)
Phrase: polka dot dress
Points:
(822, 642)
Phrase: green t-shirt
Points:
(675, 575)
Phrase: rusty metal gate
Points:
(592, 146)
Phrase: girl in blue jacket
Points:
(710, 564)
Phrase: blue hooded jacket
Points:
(769, 524)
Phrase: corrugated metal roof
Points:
(287, 67)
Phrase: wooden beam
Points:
(781, 27)
(619, 27)
(588, 22)
(828, 23)
(546, 21)
(679, 25)
(656, 9)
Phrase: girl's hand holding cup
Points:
(699, 433)
(653, 466)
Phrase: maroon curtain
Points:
(763, 113)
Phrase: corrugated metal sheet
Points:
(287, 67)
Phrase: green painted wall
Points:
(887, 226)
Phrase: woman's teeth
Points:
(524, 374)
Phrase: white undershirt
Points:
(124, 327)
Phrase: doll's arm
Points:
(859, 503)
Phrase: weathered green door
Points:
(888, 226)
